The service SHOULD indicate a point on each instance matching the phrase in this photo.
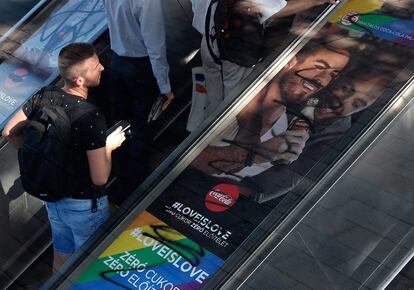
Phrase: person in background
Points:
(140, 73)
(73, 220)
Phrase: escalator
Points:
(29, 49)
(207, 219)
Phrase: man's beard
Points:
(93, 83)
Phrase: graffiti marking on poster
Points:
(199, 223)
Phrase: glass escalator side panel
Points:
(259, 160)
(361, 233)
(355, 230)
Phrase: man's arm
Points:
(14, 128)
(236, 156)
(216, 160)
(232, 158)
(287, 146)
(100, 160)
(151, 19)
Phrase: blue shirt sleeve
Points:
(151, 18)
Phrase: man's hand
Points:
(115, 139)
(287, 146)
(170, 96)
(14, 129)
(100, 160)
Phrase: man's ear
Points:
(78, 81)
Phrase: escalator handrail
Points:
(24, 19)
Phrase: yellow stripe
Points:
(145, 218)
(359, 6)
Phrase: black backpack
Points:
(46, 156)
(239, 36)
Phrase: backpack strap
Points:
(207, 33)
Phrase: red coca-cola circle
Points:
(222, 197)
(16, 77)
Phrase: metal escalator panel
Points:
(219, 196)
(33, 64)
(354, 229)
(360, 233)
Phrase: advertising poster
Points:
(34, 64)
(282, 133)
(392, 20)
(150, 255)
(258, 158)
(280, 136)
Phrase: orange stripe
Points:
(200, 89)
(144, 219)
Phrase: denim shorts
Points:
(73, 222)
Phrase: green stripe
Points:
(373, 19)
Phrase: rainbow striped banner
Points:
(149, 254)
(371, 17)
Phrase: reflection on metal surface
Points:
(321, 267)
(189, 57)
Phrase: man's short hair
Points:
(340, 45)
(72, 55)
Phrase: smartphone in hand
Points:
(124, 124)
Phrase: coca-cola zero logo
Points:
(221, 197)
(350, 18)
